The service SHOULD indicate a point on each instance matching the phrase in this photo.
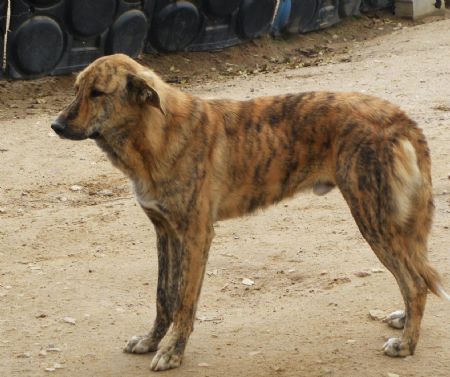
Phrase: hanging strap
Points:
(5, 37)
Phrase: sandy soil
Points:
(73, 243)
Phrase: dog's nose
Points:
(57, 126)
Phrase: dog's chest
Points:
(144, 197)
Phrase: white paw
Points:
(170, 352)
(140, 344)
(166, 359)
(395, 348)
(396, 319)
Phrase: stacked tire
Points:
(60, 36)
(49, 37)
(302, 16)
(208, 24)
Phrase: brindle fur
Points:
(194, 161)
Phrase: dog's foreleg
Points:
(194, 256)
(169, 268)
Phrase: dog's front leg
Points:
(169, 268)
(194, 254)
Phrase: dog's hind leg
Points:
(392, 206)
(414, 291)
(169, 268)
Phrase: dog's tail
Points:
(443, 294)
(410, 184)
(406, 181)
(431, 277)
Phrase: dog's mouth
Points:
(69, 134)
(94, 135)
(66, 132)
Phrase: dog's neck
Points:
(147, 148)
(128, 150)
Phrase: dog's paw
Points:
(141, 344)
(166, 358)
(170, 352)
(394, 347)
(396, 319)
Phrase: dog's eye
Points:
(96, 93)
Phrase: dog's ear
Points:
(141, 92)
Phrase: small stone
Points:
(393, 375)
(248, 282)
(362, 274)
(105, 192)
(212, 273)
(57, 366)
(42, 353)
(70, 320)
(377, 270)
(254, 353)
(323, 272)
(377, 315)
(24, 355)
(203, 365)
(52, 348)
(2, 210)
(51, 369)
(296, 277)
(76, 188)
(351, 341)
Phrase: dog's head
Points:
(110, 92)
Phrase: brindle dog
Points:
(194, 161)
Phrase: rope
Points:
(5, 38)
(275, 12)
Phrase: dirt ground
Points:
(77, 256)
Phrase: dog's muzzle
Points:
(67, 132)
(58, 127)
